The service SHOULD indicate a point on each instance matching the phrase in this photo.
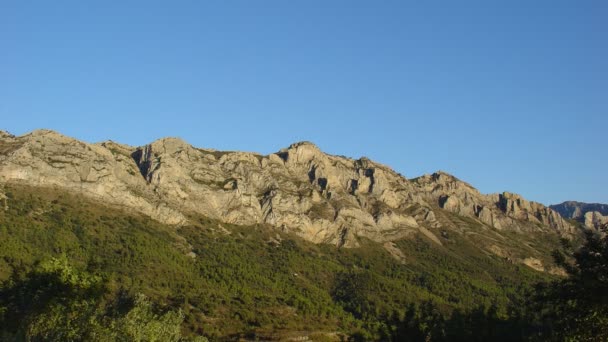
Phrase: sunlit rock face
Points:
(320, 197)
(501, 211)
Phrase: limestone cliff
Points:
(320, 197)
(103, 171)
(501, 211)
(323, 198)
(595, 220)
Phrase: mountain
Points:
(249, 246)
(501, 211)
(301, 190)
(592, 215)
(251, 282)
(320, 197)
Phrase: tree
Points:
(57, 302)
(141, 323)
(53, 302)
(576, 308)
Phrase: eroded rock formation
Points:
(501, 211)
(322, 198)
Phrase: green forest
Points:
(75, 270)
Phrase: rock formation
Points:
(592, 215)
(322, 198)
(501, 211)
(595, 220)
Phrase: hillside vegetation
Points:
(228, 282)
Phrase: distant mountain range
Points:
(593, 215)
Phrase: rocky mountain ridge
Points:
(592, 215)
(322, 198)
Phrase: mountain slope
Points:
(254, 282)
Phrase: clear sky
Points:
(506, 95)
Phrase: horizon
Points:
(506, 97)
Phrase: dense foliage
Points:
(576, 308)
(72, 269)
(56, 302)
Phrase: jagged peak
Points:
(365, 162)
(50, 136)
(451, 178)
(303, 144)
(443, 180)
(5, 134)
(441, 173)
(169, 144)
(300, 152)
(518, 197)
(114, 146)
(441, 176)
(508, 194)
(170, 140)
(113, 143)
(45, 132)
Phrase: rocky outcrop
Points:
(501, 211)
(46, 158)
(322, 198)
(514, 206)
(595, 220)
(592, 215)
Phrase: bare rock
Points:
(501, 211)
(322, 198)
(49, 159)
(595, 220)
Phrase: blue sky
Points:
(506, 95)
